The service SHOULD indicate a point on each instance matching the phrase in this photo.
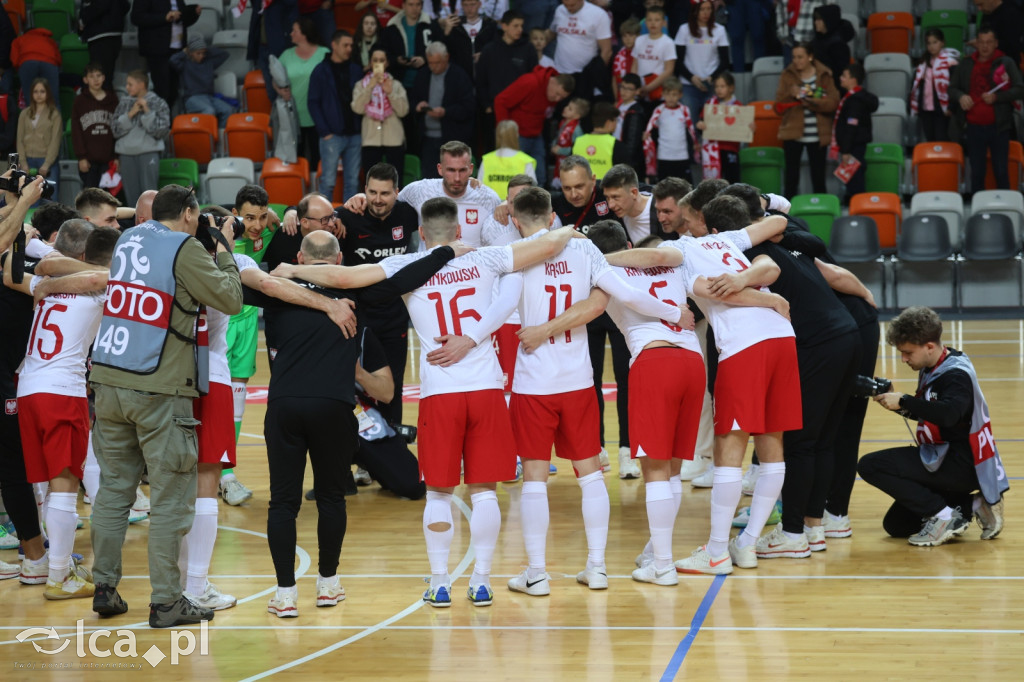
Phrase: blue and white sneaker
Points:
(480, 595)
(439, 598)
(8, 540)
(552, 470)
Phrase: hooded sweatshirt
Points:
(832, 47)
(500, 64)
(146, 132)
(526, 101)
(91, 131)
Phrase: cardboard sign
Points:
(728, 123)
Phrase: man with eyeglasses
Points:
(314, 212)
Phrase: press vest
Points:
(140, 296)
(498, 170)
(596, 148)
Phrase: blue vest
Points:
(140, 296)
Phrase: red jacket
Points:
(526, 101)
(35, 45)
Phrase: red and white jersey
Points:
(454, 302)
(475, 205)
(665, 284)
(736, 327)
(217, 331)
(549, 288)
(651, 54)
(63, 329)
(496, 234)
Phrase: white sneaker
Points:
(628, 467)
(837, 526)
(750, 479)
(141, 501)
(705, 480)
(649, 574)
(233, 492)
(702, 562)
(135, 516)
(744, 557)
(815, 538)
(362, 477)
(642, 559)
(329, 591)
(7, 540)
(8, 571)
(777, 545)
(742, 518)
(35, 572)
(606, 463)
(282, 604)
(212, 598)
(538, 587)
(595, 578)
(692, 468)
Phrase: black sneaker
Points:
(181, 612)
(107, 602)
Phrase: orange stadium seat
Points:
(885, 209)
(766, 125)
(286, 183)
(1016, 167)
(338, 196)
(890, 32)
(938, 167)
(256, 99)
(194, 136)
(248, 135)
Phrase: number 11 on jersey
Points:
(553, 311)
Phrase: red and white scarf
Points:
(937, 71)
(622, 64)
(379, 107)
(833, 147)
(651, 147)
(710, 152)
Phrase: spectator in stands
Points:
(92, 133)
(501, 62)
(321, 12)
(35, 54)
(703, 49)
(794, 21)
(299, 61)
(39, 131)
(806, 98)
(1006, 20)
(982, 92)
(721, 159)
(747, 16)
(467, 35)
(102, 24)
(269, 28)
(539, 40)
(831, 35)
(600, 148)
(337, 124)
(654, 56)
(197, 65)
(382, 102)
(8, 125)
(569, 129)
(163, 31)
(670, 137)
(851, 128)
(633, 116)
(7, 37)
(406, 38)
(446, 103)
(505, 162)
(141, 122)
(530, 101)
(622, 63)
(367, 36)
(929, 95)
(384, 10)
(584, 46)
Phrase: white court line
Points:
(412, 608)
(406, 576)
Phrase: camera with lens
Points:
(237, 226)
(14, 184)
(868, 387)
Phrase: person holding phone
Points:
(382, 101)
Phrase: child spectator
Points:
(654, 55)
(569, 129)
(141, 122)
(929, 95)
(851, 129)
(367, 35)
(633, 116)
(39, 131)
(197, 65)
(92, 115)
(539, 40)
(669, 154)
(721, 159)
(600, 147)
(622, 63)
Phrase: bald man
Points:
(144, 206)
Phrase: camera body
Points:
(869, 387)
(13, 183)
(238, 227)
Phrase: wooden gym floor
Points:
(869, 608)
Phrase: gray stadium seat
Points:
(888, 74)
(854, 245)
(924, 271)
(765, 77)
(889, 123)
(1003, 202)
(990, 268)
(69, 182)
(236, 43)
(949, 205)
(210, 19)
(225, 176)
(129, 59)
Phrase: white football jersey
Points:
(736, 327)
(63, 329)
(475, 205)
(217, 331)
(496, 234)
(454, 302)
(665, 284)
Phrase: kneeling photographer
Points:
(955, 455)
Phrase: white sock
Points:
(770, 478)
(483, 531)
(533, 510)
(726, 491)
(292, 592)
(39, 491)
(238, 400)
(438, 509)
(61, 517)
(91, 474)
(596, 510)
(793, 536)
(200, 540)
(946, 514)
(661, 519)
(676, 484)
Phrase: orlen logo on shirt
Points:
(138, 303)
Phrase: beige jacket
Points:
(386, 133)
(41, 141)
(792, 126)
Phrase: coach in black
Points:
(385, 229)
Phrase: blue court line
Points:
(695, 625)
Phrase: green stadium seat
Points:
(74, 54)
(884, 172)
(762, 167)
(818, 211)
(412, 169)
(184, 172)
(56, 15)
(953, 24)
